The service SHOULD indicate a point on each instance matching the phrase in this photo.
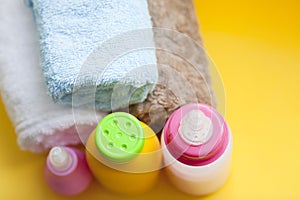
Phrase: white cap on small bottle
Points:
(60, 158)
(195, 128)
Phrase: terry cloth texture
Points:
(39, 123)
(71, 30)
(187, 78)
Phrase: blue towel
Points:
(115, 33)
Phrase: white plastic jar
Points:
(196, 146)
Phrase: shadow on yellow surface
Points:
(256, 47)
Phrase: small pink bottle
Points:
(66, 171)
(196, 146)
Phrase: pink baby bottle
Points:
(196, 146)
(66, 171)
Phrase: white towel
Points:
(39, 123)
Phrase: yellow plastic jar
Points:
(124, 154)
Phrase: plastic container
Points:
(124, 154)
(196, 147)
(66, 171)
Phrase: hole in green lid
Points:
(106, 132)
(119, 134)
(110, 145)
(115, 122)
(124, 147)
(132, 137)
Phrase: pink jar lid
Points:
(196, 134)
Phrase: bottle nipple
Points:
(195, 128)
(60, 158)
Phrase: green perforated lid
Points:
(119, 137)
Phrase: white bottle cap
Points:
(195, 128)
(60, 158)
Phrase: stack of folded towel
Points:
(89, 54)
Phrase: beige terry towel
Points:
(182, 64)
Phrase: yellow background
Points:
(256, 47)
